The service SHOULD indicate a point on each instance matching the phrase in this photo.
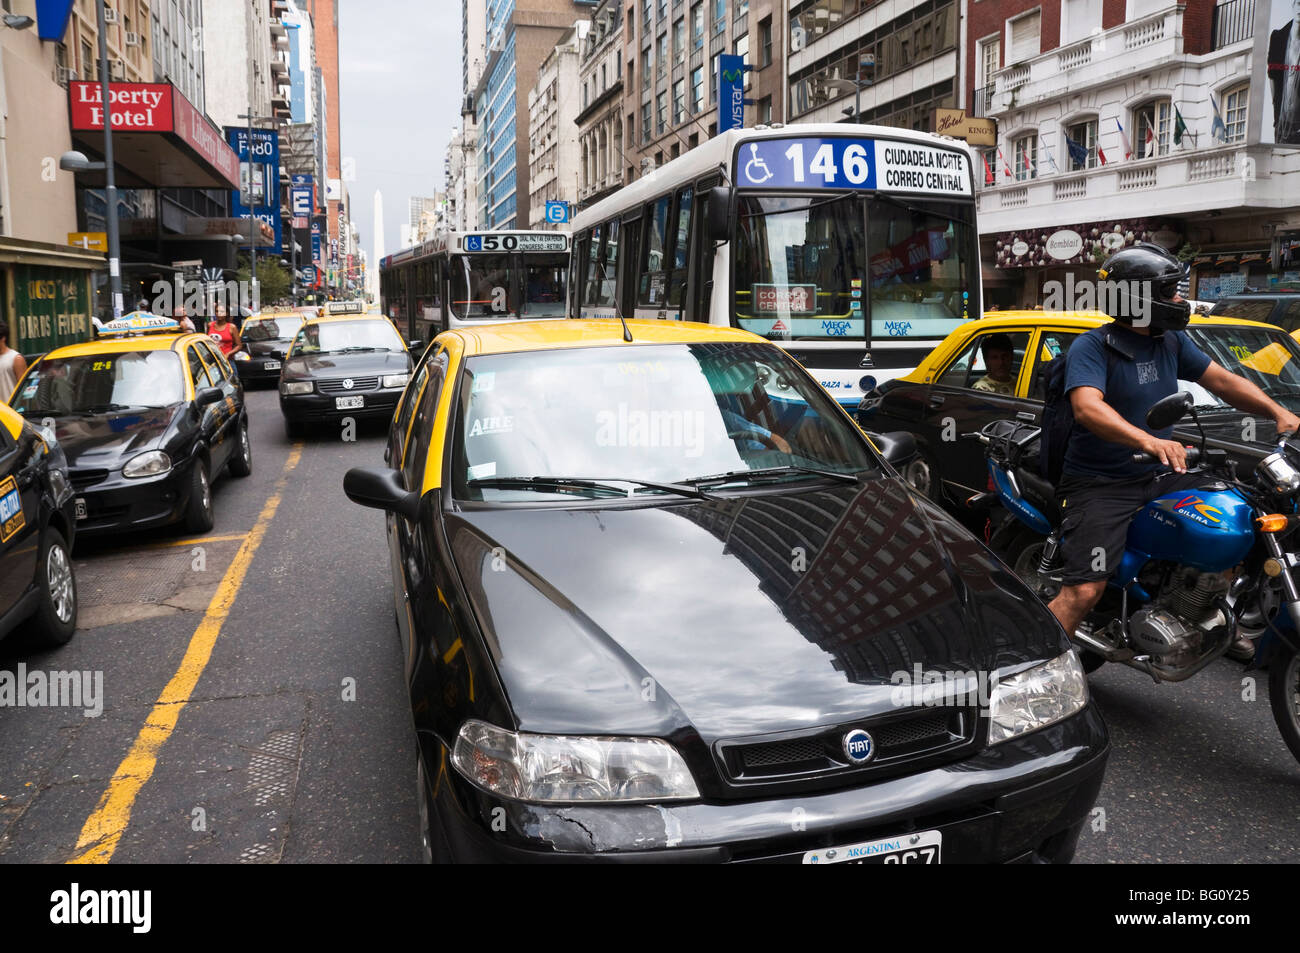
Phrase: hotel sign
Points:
(955, 123)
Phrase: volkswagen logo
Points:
(859, 747)
(347, 384)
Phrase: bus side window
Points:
(651, 283)
(681, 245)
(609, 265)
(577, 259)
(592, 285)
(701, 264)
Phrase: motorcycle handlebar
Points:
(1193, 457)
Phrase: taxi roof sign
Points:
(345, 307)
(140, 322)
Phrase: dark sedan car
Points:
(37, 529)
(661, 600)
(266, 338)
(147, 421)
(348, 366)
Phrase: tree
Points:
(272, 278)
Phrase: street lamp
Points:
(866, 63)
(16, 22)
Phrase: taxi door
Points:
(227, 409)
(20, 499)
(204, 376)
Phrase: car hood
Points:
(109, 440)
(346, 365)
(738, 616)
(272, 348)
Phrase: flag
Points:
(988, 173)
(1050, 158)
(1029, 166)
(1149, 144)
(1006, 166)
(1217, 129)
(1078, 154)
(1101, 155)
(1180, 127)
(1123, 140)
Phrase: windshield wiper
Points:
(734, 476)
(590, 483)
(919, 209)
(355, 348)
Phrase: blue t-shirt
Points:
(1131, 388)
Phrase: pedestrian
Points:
(225, 334)
(12, 364)
(183, 319)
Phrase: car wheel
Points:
(241, 465)
(1024, 555)
(198, 515)
(56, 616)
(923, 476)
(1284, 696)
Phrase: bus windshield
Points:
(809, 268)
(487, 286)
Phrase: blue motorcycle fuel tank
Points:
(1210, 530)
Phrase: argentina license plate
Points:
(349, 403)
(919, 848)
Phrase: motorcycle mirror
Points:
(1169, 410)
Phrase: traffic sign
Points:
(91, 241)
(557, 212)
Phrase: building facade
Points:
(552, 134)
(600, 119)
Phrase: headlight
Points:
(1036, 698)
(296, 387)
(396, 380)
(153, 463)
(242, 356)
(566, 769)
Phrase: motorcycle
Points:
(1198, 567)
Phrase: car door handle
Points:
(937, 400)
(1025, 415)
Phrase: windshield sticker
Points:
(491, 425)
(102, 366)
(485, 382)
(11, 509)
(657, 288)
(785, 299)
(482, 471)
(855, 282)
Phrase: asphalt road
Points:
(295, 744)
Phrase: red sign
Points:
(785, 299)
(136, 106)
(201, 136)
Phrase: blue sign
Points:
(557, 212)
(731, 92)
(300, 201)
(52, 18)
(852, 163)
(316, 230)
(474, 243)
(309, 275)
(260, 175)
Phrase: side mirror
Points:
(896, 447)
(1169, 410)
(720, 207)
(208, 395)
(381, 488)
(415, 346)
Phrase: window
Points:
(1081, 145)
(198, 369)
(679, 102)
(645, 68)
(765, 110)
(681, 243)
(713, 78)
(741, 49)
(417, 451)
(1025, 43)
(661, 113)
(1052, 344)
(697, 89)
(1234, 112)
(645, 121)
(988, 172)
(87, 60)
(679, 41)
(1151, 126)
(719, 16)
(697, 26)
(991, 363)
(652, 285)
(661, 59)
(765, 42)
(1025, 161)
(990, 51)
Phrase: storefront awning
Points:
(1085, 243)
(160, 140)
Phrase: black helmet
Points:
(1145, 282)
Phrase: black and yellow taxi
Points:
(657, 595)
(266, 337)
(147, 416)
(996, 368)
(38, 586)
(344, 364)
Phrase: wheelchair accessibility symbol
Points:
(756, 169)
(474, 243)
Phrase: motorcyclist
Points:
(1102, 488)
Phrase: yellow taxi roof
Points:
(11, 420)
(588, 332)
(337, 318)
(1079, 319)
(118, 345)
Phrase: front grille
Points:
(359, 385)
(898, 739)
(84, 478)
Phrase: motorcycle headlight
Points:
(396, 380)
(152, 463)
(1037, 697)
(1279, 474)
(292, 388)
(567, 769)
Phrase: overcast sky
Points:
(399, 83)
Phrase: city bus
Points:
(853, 247)
(473, 278)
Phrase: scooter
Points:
(1198, 567)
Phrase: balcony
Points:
(1234, 21)
(1151, 41)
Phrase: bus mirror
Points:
(721, 199)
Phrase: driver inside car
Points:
(741, 398)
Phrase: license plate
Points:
(922, 848)
(349, 403)
(79, 506)
(271, 366)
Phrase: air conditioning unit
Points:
(110, 15)
(64, 75)
(117, 68)
(133, 39)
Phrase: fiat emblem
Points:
(859, 746)
(347, 384)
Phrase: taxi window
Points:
(218, 367)
(991, 363)
(422, 427)
(407, 406)
(198, 369)
(1248, 309)
(1290, 319)
(1051, 345)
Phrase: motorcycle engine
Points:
(1180, 628)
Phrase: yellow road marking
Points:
(104, 828)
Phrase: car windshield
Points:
(802, 264)
(1267, 357)
(96, 383)
(665, 413)
(373, 334)
(271, 329)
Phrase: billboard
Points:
(1277, 45)
(259, 178)
(731, 92)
